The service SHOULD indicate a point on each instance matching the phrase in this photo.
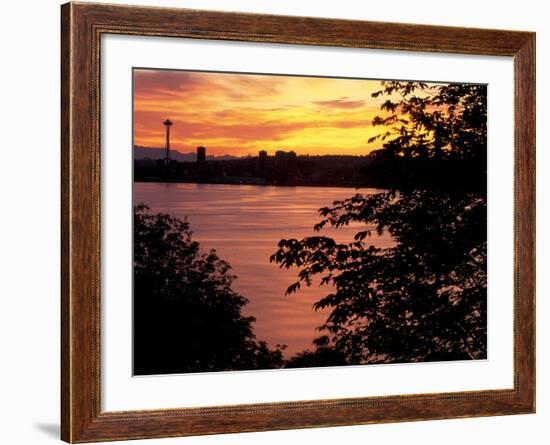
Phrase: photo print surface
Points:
(296, 221)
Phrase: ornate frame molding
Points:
(82, 26)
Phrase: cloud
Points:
(196, 129)
(343, 103)
(237, 113)
(165, 84)
(162, 85)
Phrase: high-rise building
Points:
(291, 159)
(167, 123)
(279, 158)
(201, 154)
(262, 159)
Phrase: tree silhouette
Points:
(187, 318)
(423, 298)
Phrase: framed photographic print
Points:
(283, 222)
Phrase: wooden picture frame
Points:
(82, 26)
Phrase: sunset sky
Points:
(239, 114)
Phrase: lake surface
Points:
(244, 223)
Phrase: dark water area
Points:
(244, 223)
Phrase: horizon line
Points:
(250, 155)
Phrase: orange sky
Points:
(239, 114)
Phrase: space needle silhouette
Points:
(167, 124)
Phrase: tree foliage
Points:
(433, 121)
(187, 317)
(424, 297)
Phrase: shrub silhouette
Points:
(187, 318)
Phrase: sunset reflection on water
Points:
(244, 223)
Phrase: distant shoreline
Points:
(221, 182)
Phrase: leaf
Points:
(294, 287)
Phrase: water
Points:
(244, 223)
